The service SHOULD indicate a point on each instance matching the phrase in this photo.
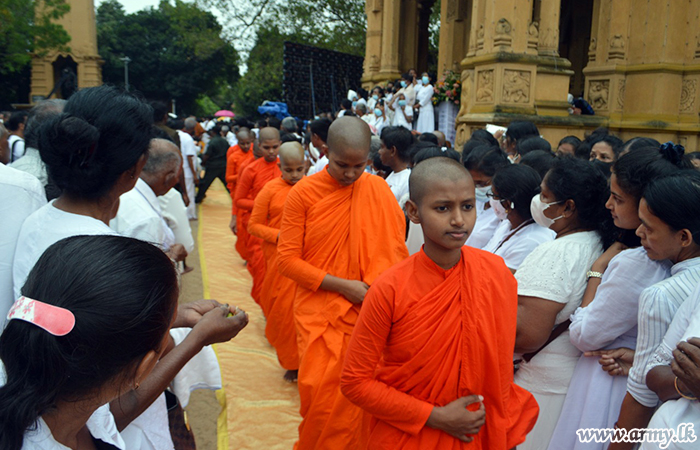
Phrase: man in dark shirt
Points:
(214, 160)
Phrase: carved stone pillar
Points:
(548, 27)
(391, 25)
(455, 24)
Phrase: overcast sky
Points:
(133, 5)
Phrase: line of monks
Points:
(429, 364)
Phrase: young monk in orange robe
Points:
(241, 232)
(252, 180)
(431, 357)
(235, 156)
(341, 228)
(277, 292)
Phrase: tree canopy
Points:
(177, 51)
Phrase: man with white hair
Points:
(140, 214)
(189, 163)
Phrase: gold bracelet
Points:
(675, 383)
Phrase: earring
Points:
(138, 385)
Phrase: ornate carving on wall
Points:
(591, 49)
(516, 86)
(465, 98)
(484, 86)
(373, 63)
(462, 134)
(480, 38)
(533, 33)
(688, 93)
(503, 37)
(456, 10)
(621, 94)
(617, 47)
(598, 92)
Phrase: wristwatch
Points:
(591, 274)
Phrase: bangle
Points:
(675, 383)
(591, 274)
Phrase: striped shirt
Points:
(657, 306)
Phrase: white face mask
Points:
(482, 193)
(537, 208)
(499, 209)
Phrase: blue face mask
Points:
(354, 104)
(426, 81)
(403, 83)
(402, 103)
(378, 112)
(375, 97)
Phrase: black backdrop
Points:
(331, 73)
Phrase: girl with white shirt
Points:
(607, 318)
(424, 106)
(403, 112)
(394, 153)
(551, 283)
(482, 163)
(517, 235)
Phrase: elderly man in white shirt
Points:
(140, 214)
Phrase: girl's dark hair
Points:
(518, 183)
(123, 293)
(521, 129)
(487, 160)
(485, 136)
(571, 140)
(101, 134)
(639, 142)
(539, 160)
(432, 152)
(637, 168)
(532, 143)
(580, 181)
(675, 200)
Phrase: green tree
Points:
(176, 51)
(26, 28)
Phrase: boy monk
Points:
(431, 357)
(234, 158)
(341, 228)
(252, 179)
(277, 292)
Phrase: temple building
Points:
(637, 62)
(59, 74)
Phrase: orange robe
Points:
(235, 156)
(253, 178)
(242, 236)
(353, 232)
(277, 292)
(427, 336)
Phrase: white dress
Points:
(515, 249)
(400, 117)
(398, 182)
(485, 226)
(554, 271)
(20, 195)
(426, 113)
(609, 321)
(671, 414)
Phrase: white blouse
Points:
(398, 182)
(520, 244)
(485, 226)
(556, 271)
(658, 305)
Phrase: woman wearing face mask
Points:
(607, 318)
(552, 281)
(403, 112)
(482, 163)
(377, 93)
(424, 106)
(380, 119)
(512, 190)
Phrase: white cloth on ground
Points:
(554, 271)
(141, 217)
(20, 195)
(519, 245)
(609, 321)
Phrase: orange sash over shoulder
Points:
(354, 232)
(426, 337)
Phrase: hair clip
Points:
(54, 319)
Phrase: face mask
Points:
(537, 208)
(403, 84)
(499, 209)
(377, 112)
(354, 104)
(402, 103)
(482, 193)
(426, 80)
(375, 97)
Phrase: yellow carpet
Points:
(262, 409)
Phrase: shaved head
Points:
(243, 134)
(424, 175)
(269, 134)
(291, 153)
(349, 133)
